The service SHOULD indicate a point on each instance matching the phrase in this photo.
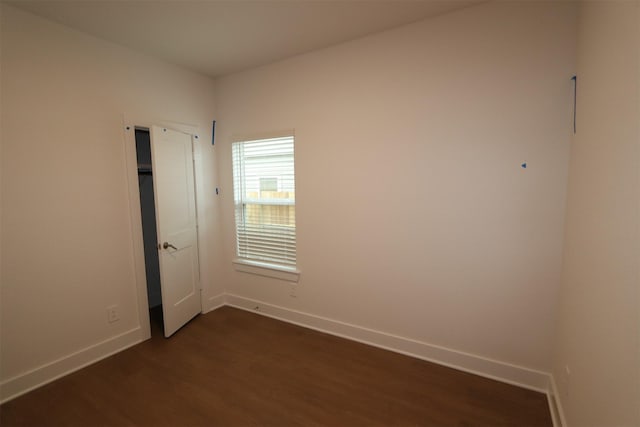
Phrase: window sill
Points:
(290, 274)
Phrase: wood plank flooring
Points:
(234, 368)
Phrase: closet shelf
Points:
(144, 168)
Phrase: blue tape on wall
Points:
(213, 133)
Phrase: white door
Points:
(174, 190)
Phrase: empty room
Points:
(291, 212)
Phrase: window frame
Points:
(266, 268)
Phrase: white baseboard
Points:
(555, 404)
(213, 302)
(478, 365)
(49, 372)
(493, 369)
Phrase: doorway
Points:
(165, 226)
(149, 229)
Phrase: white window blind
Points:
(264, 193)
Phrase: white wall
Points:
(66, 231)
(414, 215)
(599, 326)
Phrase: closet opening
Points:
(149, 229)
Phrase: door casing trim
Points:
(129, 124)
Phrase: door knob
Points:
(167, 245)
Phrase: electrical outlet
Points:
(112, 314)
(292, 291)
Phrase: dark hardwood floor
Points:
(234, 368)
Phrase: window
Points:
(264, 194)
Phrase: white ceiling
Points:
(217, 37)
